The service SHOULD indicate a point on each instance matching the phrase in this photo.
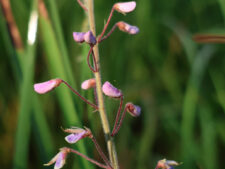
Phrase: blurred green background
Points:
(179, 84)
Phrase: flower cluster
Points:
(74, 133)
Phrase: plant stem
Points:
(120, 123)
(78, 94)
(103, 115)
(87, 158)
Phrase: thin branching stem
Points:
(88, 60)
(82, 5)
(78, 94)
(118, 115)
(106, 25)
(89, 159)
(109, 33)
(101, 153)
(120, 123)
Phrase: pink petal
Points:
(109, 90)
(125, 27)
(87, 84)
(47, 86)
(79, 36)
(60, 160)
(125, 7)
(73, 138)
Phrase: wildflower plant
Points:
(75, 134)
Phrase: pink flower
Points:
(109, 90)
(87, 37)
(59, 159)
(125, 27)
(87, 84)
(76, 134)
(47, 86)
(134, 110)
(125, 7)
(166, 164)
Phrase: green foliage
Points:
(178, 83)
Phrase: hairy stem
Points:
(103, 115)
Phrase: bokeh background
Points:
(179, 84)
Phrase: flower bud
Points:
(47, 86)
(87, 84)
(79, 36)
(76, 134)
(90, 38)
(134, 110)
(125, 7)
(125, 27)
(59, 159)
(109, 90)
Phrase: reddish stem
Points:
(82, 5)
(120, 123)
(88, 60)
(106, 25)
(109, 33)
(103, 156)
(117, 115)
(95, 62)
(78, 94)
(89, 159)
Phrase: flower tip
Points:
(90, 38)
(47, 86)
(134, 110)
(125, 7)
(87, 84)
(125, 27)
(109, 90)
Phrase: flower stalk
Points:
(104, 119)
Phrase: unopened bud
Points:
(134, 110)
(125, 27)
(125, 7)
(166, 164)
(87, 84)
(109, 90)
(47, 86)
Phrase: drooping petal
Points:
(90, 38)
(125, 27)
(134, 110)
(73, 138)
(125, 7)
(60, 160)
(109, 90)
(47, 86)
(79, 36)
(87, 84)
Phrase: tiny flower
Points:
(125, 7)
(87, 84)
(79, 36)
(47, 86)
(125, 27)
(134, 110)
(109, 90)
(166, 164)
(90, 38)
(76, 134)
(59, 159)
